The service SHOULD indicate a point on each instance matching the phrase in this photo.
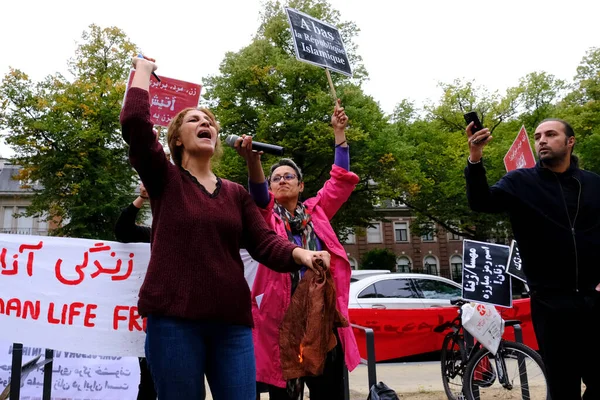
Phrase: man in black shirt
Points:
(554, 210)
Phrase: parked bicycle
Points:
(472, 372)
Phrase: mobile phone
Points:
(472, 117)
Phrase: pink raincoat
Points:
(271, 293)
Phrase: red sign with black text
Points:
(520, 154)
(168, 97)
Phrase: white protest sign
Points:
(317, 42)
(77, 295)
(76, 376)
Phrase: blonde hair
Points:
(173, 133)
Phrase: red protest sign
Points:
(520, 154)
(168, 97)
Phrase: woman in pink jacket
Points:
(306, 224)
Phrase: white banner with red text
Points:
(76, 295)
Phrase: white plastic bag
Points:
(484, 323)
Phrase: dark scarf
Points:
(298, 224)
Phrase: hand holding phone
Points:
(472, 117)
(477, 126)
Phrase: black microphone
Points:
(258, 146)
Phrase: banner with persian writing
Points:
(76, 295)
(76, 375)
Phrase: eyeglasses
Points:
(287, 177)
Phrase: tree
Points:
(540, 93)
(379, 259)
(427, 163)
(264, 91)
(581, 107)
(427, 157)
(66, 136)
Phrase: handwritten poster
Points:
(76, 375)
(77, 295)
(485, 276)
(168, 97)
(515, 264)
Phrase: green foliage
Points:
(581, 108)
(412, 157)
(264, 91)
(378, 259)
(425, 165)
(66, 136)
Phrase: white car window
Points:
(368, 293)
(396, 289)
(433, 289)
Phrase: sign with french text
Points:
(168, 97)
(485, 276)
(317, 42)
(76, 375)
(77, 295)
(520, 154)
(515, 264)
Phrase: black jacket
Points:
(127, 231)
(555, 220)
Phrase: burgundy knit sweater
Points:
(195, 269)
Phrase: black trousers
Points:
(146, 389)
(329, 386)
(567, 328)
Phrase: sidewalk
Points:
(417, 377)
(418, 381)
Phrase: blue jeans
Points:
(180, 352)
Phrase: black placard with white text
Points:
(317, 42)
(515, 264)
(485, 276)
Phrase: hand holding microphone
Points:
(140, 56)
(247, 145)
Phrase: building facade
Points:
(439, 253)
(14, 198)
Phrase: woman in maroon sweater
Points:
(194, 294)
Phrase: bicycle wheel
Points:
(524, 376)
(453, 359)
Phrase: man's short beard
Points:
(552, 159)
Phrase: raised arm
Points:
(481, 197)
(338, 188)
(126, 230)
(145, 152)
(257, 183)
(339, 121)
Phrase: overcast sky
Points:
(408, 46)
